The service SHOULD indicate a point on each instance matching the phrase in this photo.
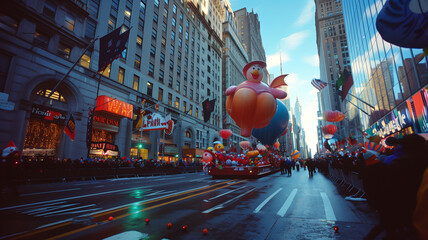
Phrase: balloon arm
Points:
(278, 93)
(231, 90)
(278, 82)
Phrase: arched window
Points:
(188, 134)
(55, 96)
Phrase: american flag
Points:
(318, 84)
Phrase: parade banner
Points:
(155, 121)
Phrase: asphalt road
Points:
(272, 207)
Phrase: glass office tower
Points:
(391, 78)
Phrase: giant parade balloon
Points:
(404, 23)
(295, 154)
(244, 144)
(252, 103)
(333, 116)
(276, 127)
(329, 129)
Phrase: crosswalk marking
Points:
(227, 202)
(64, 210)
(329, 213)
(65, 190)
(45, 209)
(287, 203)
(266, 201)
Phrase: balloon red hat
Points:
(261, 63)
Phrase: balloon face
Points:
(333, 116)
(276, 127)
(218, 147)
(207, 157)
(225, 133)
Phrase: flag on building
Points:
(348, 81)
(208, 108)
(111, 47)
(9, 149)
(70, 128)
(318, 84)
(339, 81)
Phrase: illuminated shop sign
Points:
(105, 146)
(47, 114)
(106, 121)
(413, 112)
(114, 106)
(155, 121)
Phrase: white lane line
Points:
(65, 190)
(266, 201)
(65, 210)
(44, 209)
(224, 194)
(329, 213)
(54, 223)
(74, 212)
(129, 235)
(225, 203)
(163, 179)
(43, 205)
(82, 196)
(287, 203)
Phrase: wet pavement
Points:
(272, 207)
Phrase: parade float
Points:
(256, 109)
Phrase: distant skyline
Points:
(288, 27)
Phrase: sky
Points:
(288, 26)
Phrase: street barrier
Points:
(351, 183)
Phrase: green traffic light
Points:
(140, 145)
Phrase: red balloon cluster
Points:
(225, 133)
(333, 116)
(329, 129)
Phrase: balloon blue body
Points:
(278, 124)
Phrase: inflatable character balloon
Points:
(252, 104)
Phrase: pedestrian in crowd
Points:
(10, 161)
(310, 166)
(288, 164)
(297, 165)
(282, 165)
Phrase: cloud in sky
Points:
(294, 40)
(313, 60)
(307, 13)
(273, 60)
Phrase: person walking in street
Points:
(310, 165)
(298, 165)
(288, 164)
(282, 165)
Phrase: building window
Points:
(166, 1)
(170, 82)
(90, 29)
(180, 28)
(64, 51)
(121, 75)
(197, 113)
(163, 41)
(149, 89)
(162, 57)
(136, 82)
(151, 70)
(173, 22)
(184, 106)
(139, 41)
(137, 62)
(55, 95)
(174, 9)
(177, 103)
(191, 109)
(152, 50)
(172, 50)
(185, 90)
(164, 26)
(154, 33)
(172, 35)
(178, 85)
(69, 21)
(160, 95)
(49, 9)
(128, 13)
(155, 17)
(157, 3)
(86, 59)
(161, 75)
(106, 71)
(171, 64)
(41, 39)
(169, 98)
(165, 13)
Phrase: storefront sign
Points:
(47, 114)
(155, 121)
(106, 121)
(104, 146)
(412, 112)
(114, 106)
(169, 149)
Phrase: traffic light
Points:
(157, 106)
(140, 145)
